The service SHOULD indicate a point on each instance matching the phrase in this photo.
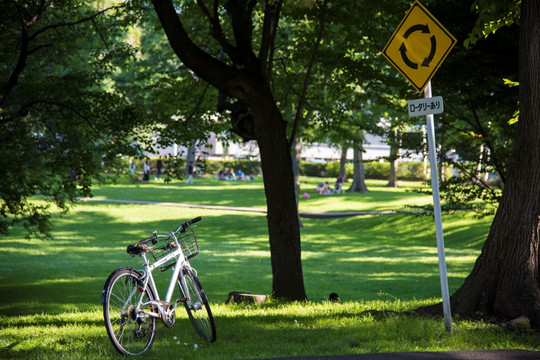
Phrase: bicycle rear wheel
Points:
(130, 334)
(197, 306)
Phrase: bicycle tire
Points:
(128, 335)
(197, 307)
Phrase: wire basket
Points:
(188, 244)
(163, 250)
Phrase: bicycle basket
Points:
(188, 242)
(163, 250)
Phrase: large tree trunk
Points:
(278, 178)
(505, 279)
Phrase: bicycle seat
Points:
(140, 247)
(137, 249)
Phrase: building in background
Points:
(216, 148)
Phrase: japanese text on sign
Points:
(421, 107)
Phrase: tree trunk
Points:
(359, 182)
(278, 179)
(343, 163)
(190, 157)
(296, 156)
(394, 160)
(505, 279)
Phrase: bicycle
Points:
(131, 302)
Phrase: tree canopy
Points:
(59, 118)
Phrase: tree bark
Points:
(394, 159)
(343, 162)
(505, 280)
(359, 178)
(296, 158)
(283, 227)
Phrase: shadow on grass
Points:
(362, 258)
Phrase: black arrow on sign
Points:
(406, 60)
(431, 52)
(417, 27)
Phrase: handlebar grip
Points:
(187, 223)
(193, 221)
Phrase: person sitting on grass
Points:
(338, 186)
(240, 175)
(323, 188)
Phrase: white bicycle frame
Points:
(148, 280)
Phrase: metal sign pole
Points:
(437, 214)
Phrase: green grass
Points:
(379, 265)
(251, 194)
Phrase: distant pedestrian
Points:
(198, 167)
(146, 169)
(159, 166)
(190, 173)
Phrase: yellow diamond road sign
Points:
(418, 46)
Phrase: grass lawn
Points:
(379, 265)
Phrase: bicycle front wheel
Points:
(130, 332)
(197, 307)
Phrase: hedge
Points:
(372, 169)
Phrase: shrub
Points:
(313, 169)
(376, 170)
(372, 170)
(249, 167)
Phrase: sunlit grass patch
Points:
(379, 265)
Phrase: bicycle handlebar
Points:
(140, 246)
(151, 239)
(188, 223)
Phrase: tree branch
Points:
(72, 23)
(26, 39)
(270, 25)
(23, 55)
(215, 28)
(242, 24)
(302, 100)
(204, 65)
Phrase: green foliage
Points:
(59, 119)
(372, 169)
(89, 90)
(492, 15)
(314, 169)
(473, 134)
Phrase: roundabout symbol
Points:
(418, 46)
(403, 48)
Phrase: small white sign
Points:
(426, 106)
